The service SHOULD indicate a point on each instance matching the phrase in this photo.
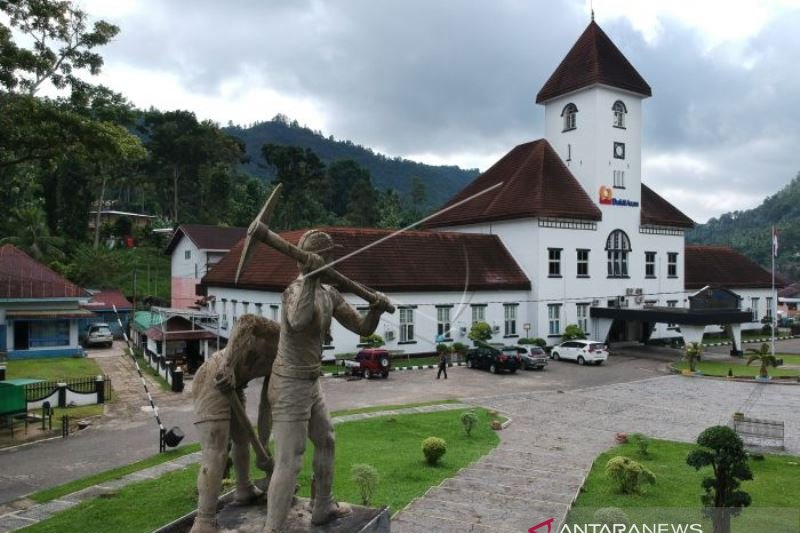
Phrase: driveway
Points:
(129, 432)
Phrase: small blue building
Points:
(39, 309)
(102, 304)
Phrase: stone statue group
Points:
(292, 408)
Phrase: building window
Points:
(478, 313)
(672, 303)
(406, 324)
(570, 113)
(769, 308)
(274, 310)
(245, 307)
(510, 314)
(619, 114)
(554, 262)
(754, 309)
(617, 248)
(569, 153)
(582, 311)
(187, 254)
(619, 179)
(649, 264)
(619, 150)
(233, 310)
(583, 263)
(443, 321)
(224, 313)
(45, 333)
(259, 310)
(554, 319)
(672, 264)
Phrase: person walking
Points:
(442, 365)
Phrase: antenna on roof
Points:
(591, 7)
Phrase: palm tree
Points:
(32, 235)
(765, 357)
(693, 352)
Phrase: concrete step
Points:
(482, 498)
(497, 515)
(540, 485)
(539, 491)
(420, 522)
(539, 461)
(531, 472)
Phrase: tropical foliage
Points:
(763, 356)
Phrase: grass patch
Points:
(152, 372)
(775, 485)
(719, 368)
(52, 369)
(378, 408)
(392, 444)
(116, 473)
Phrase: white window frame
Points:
(650, 264)
(274, 309)
(443, 323)
(554, 319)
(406, 324)
(672, 264)
(769, 308)
(620, 111)
(754, 301)
(582, 261)
(510, 319)
(570, 113)
(187, 254)
(582, 314)
(478, 313)
(619, 179)
(618, 245)
(554, 262)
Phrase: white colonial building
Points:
(567, 234)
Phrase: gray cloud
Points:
(454, 76)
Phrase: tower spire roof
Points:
(593, 59)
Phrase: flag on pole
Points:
(774, 242)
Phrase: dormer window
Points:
(619, 114)
(570, 113)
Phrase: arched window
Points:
(619, 114)
(618, 246)
(569, 113)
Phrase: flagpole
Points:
(773, 311)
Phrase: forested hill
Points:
(749, 231)
(441, 182)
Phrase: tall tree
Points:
(343, 176)
(390, 210)
(62, 45)
(305, 186)
(362, 207)
(32, 235)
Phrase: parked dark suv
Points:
(368, 363)
(533, 357)
(494, 359)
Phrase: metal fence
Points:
(37, 391)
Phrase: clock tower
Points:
(593, 120)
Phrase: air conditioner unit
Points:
(639, 291)
(388, 335)
(462, 330)
(595, 303)
(639, 299)
(495, 329)
(629, 292)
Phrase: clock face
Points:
(619, 150)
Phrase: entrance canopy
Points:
(674, 315)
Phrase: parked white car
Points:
(582, 351)
(98, 334)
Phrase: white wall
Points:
(186, 268)
(425, 315)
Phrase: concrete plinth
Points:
(250, 519)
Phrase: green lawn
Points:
(377, 408)
(790, 359)
(390, 444)
(718, 368)
(676, 494)
(53, 369)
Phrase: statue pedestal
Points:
(250, 519)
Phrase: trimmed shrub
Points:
(540, 342)
(642, 443)
(572, 332)
(460, 348)
(442, 348)
(469, 419)
(480, 332)
(610, 516)
(628, 474)
(433, 448)
(374, 341)
(366, 478)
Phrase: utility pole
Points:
(134, 290)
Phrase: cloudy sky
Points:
(454, 81)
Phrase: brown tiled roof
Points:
(106, 299)
(178, 329)
(411, 261)
(593, 59)
(790, 291)
(535, 183)
(722, 266)
(21, 276)
(207, 237)
(658, 212)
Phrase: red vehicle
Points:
(368, 363)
